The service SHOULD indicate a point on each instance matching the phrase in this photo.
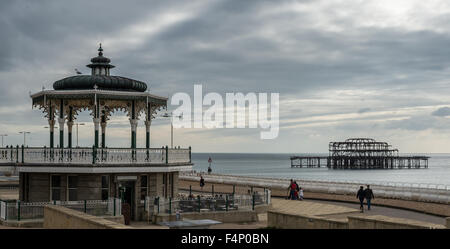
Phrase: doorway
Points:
(127, 195)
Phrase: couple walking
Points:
(295, 192)
(365, 194)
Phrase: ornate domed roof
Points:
(112, 83)
(100, 77)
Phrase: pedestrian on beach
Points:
(300, 193)
(293, 189)
(202, 182)
(297, 189)
(289, 190)
(369, 196)
(209, 167)
(360, 195)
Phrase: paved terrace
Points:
(340, 212)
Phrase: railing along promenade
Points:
(110, 156)
(426, 192)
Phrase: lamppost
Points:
(24, 134)
(77, 131)
(3, 135)
(167, 115)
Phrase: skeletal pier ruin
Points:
(361, 153)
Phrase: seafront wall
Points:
(384, 222)
(57, 217)
(296, 221)
(436, 194)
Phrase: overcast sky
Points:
(343, 69)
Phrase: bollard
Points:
(212, 190)
(253, 201)
(157, 201)
(234, 189)
(178, 216)
(18, 210)
(226, 203)
(85, 206)
(190, 190)
(170, 205)
(199, 203)
(114, 204)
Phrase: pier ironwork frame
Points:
(361, 153)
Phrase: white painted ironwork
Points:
(178, 155)
(101, 156)
(3, 210)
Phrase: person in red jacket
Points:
(293, 188)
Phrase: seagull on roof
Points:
(78, 72)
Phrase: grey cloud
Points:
(419, 123)
(226, 47)
(363, 110)
(441, 112)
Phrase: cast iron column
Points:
(96, 126)
(103, 125)
(69, 135)
(61, 124)
(147, 133)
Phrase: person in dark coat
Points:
(202, 182)
(369, 196)
(361, 195)
(289, 190)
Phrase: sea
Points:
(279, 166)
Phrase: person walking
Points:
(360, 195)
(289, 190)
(297, 189)
(368, 193)
(292, 188)
(209, 167)
(300, 194)
(202, 182)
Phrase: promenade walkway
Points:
(340, 210)
(438, 209)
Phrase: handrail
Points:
(94, 155)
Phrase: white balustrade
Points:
(114, 156)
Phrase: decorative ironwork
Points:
(109, 156)
(361, 153)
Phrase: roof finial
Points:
(100, 49)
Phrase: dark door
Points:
(127, 195)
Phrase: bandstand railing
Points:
(94, 155)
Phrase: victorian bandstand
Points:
(98, 172)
